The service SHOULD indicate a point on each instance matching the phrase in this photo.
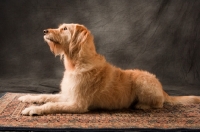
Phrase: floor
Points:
(33, 85)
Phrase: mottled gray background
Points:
(161, 36)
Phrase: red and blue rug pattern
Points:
(170, 117)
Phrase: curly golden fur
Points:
(90, 82)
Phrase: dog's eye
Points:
(64, 28)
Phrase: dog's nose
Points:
(45, 31)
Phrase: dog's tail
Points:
(181, 99)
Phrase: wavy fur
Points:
(90, 82)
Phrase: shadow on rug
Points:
(170, 117)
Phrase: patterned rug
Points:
(170, 117)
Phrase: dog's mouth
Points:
(52, 40)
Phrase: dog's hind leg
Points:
(158, 103)
(42, 98)
(52, 108)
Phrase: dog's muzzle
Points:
(45, 31)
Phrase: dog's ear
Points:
(79, 37)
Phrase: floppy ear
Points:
(79, 36)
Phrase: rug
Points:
(170, 117)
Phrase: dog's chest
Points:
(69, 85)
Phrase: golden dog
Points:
(90, 82)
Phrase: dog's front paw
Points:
(26, 98)
(31, 111)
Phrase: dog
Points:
(90, 82)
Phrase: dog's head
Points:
(69, 39)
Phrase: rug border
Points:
(92, 130)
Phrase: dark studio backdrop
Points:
(160, 36)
